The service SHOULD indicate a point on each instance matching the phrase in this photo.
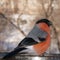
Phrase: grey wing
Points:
(37, 34)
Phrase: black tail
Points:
(13, 53)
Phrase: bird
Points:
(38, 39)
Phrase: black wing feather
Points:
(27, 42)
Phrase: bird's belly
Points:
(42, 47)
(30, 50)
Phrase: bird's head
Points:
(48, 22)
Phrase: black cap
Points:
(48, 22)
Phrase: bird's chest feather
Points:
(41, 47)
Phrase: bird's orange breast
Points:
(43, 46)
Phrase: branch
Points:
(18, 19)
(9, 20)
(16, 26)
(50, 8)
(56, 35)
(44, 9)
(50, 12)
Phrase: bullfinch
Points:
(37, 40)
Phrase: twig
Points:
(18, 19)
(50, 8)
(44, 9)
(50, 12)
(16, 26)
(50, 5)
(56, 35)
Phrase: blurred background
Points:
(17, 18)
